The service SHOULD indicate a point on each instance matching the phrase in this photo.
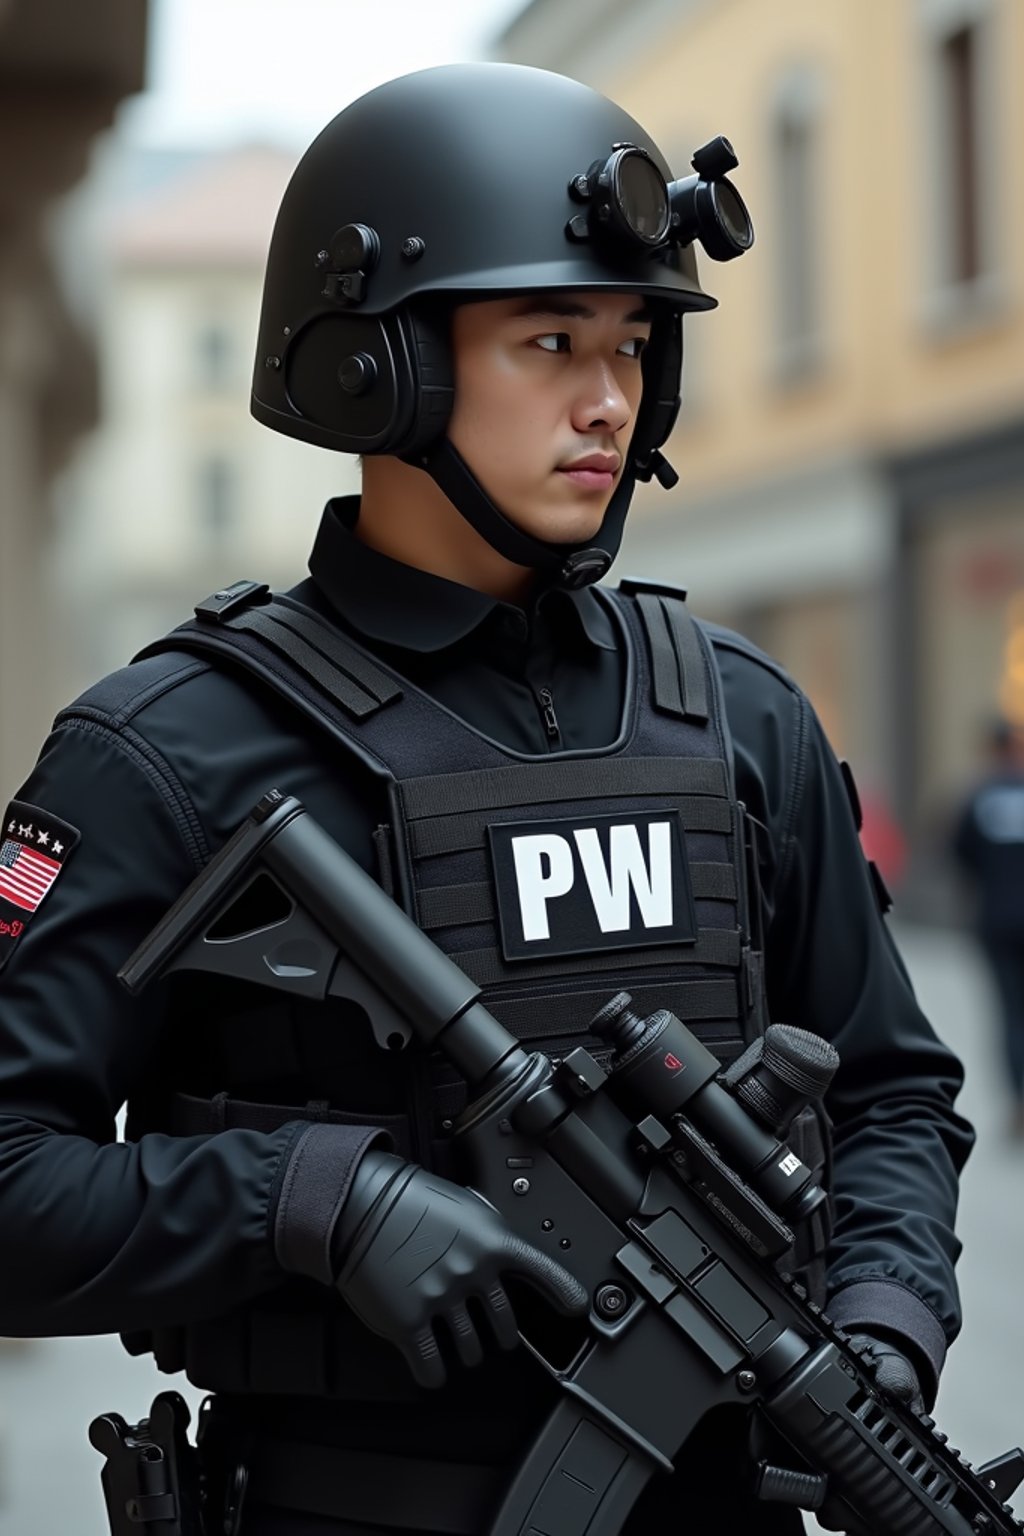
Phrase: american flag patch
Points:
(34, 847)
(25, 874)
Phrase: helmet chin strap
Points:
(566, 565)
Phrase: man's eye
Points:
(557, 341)
(634, 346)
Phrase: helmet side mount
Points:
(353, 253)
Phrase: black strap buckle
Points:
(227, 601)
(151, 1507)
(584, 566)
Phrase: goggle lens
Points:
(642, 198)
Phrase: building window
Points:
(795, 232)
(958, 56)
(214, 356)
(217, 496)
(962, 179)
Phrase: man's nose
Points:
(600, 401)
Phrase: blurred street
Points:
(49, 1484)
(981, 1404)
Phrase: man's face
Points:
(547, 387)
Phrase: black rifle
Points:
(649, 1179)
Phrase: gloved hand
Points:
(413, 1248)
(894, 1377)
(894, 1374)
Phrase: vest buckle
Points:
(227, 601)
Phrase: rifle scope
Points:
(659, 1067)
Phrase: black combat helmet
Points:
(474, 180)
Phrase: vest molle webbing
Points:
(554, 882)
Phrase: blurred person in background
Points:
(476, 282)
(988, 846)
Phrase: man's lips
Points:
(595, 472)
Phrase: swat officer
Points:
(476, 281)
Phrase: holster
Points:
(151, 1475)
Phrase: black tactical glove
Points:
(895, 1377)
(414, 1248)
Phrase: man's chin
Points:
(566, 525)
(569, 532)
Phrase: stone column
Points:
(64, 66)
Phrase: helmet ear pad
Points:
(662, 364)
(384, 384)
(372, 384)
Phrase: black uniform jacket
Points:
(99, 1235)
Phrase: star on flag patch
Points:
(34, 847)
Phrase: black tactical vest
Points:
(554, 882)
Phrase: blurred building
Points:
(851, 443)
(64, 67)
(180, 491)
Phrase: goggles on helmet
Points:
(629, 203)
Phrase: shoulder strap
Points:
(298, 654)
(687, 683)
(717, 695)
(679, 663)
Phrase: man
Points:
(475, 281)
(988, 844)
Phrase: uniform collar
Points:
(398, 604)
